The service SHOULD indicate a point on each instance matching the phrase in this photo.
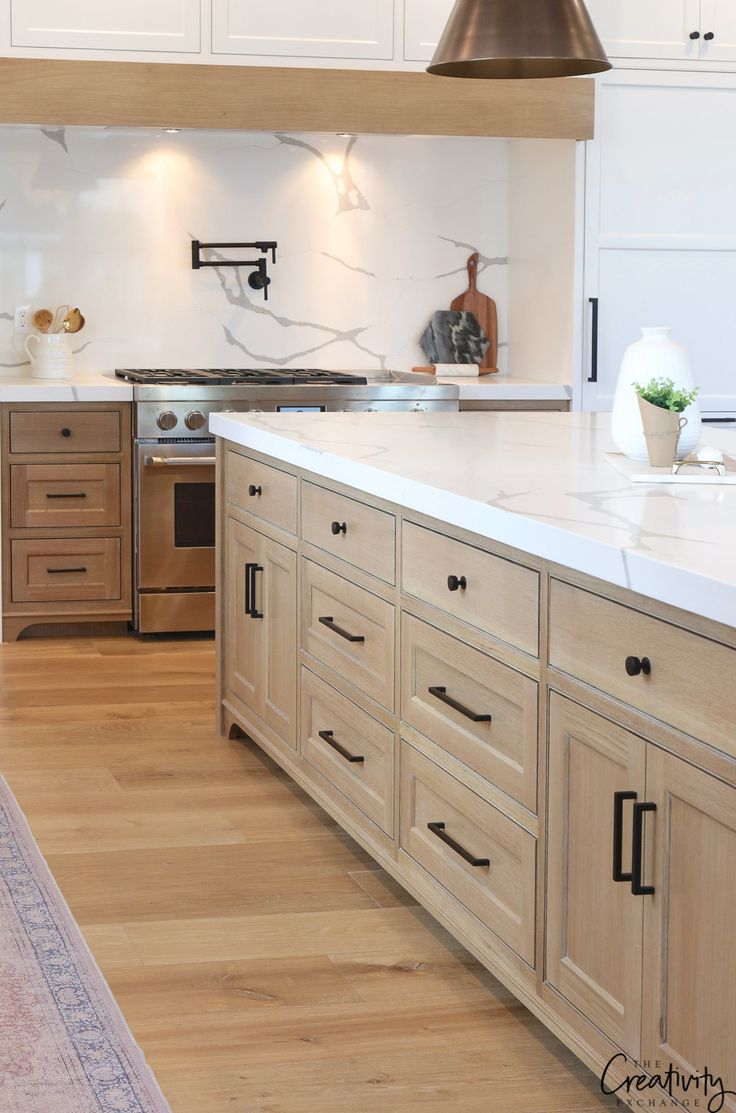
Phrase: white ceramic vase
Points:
(51, 358)
(655, 356)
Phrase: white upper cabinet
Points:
(424, 22)
(649, 28)
(297, 28)
(165, 25)
(718, 19)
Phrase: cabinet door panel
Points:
(689, 957)
(718, 19)
(134, 25)
(647, 28)
(244, 666)
(279, 631)
(322, 29)
(424, 22)
(594, 924)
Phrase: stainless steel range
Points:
(174, 466)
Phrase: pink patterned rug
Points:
(64, 1046)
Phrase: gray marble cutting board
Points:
(454, 338)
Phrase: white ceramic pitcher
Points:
(52, 358)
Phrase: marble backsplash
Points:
(373, 235)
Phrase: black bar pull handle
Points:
(441, 694)
(637, 851)
(248, 569)
(331, 625)
(254, 612)
(618, 834)
(328, 737)
(56, 571)
(438, 829)
(593, 376)
(76, 495)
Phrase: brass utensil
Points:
(42, 319)
(73, 322)
(59, 316)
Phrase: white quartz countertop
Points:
(507, 388)
(79, 388)
(540, 482)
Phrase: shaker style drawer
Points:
(61, 431)
(350, 748)
(680, 678)
(480, 711)
(358, 534)
(261, 490)
(477, 854)
(52, 496)
(349, 630)
(65, 571)
(489, 592)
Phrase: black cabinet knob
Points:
(635, 666)
(66, 432)
(455, 583)
(253, 491)
(695, 34)
(339, 527)
(708, 36)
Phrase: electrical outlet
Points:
(22, 318)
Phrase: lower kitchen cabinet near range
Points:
(260, 650)
(641, 861)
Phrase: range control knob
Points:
(195, 419)
(167, 420)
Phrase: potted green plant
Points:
(661, 405)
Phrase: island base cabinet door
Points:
(594, 924)
(689, 1016)
(260, 627)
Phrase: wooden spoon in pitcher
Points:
(42, 319)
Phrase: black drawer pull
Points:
(438, 829)
(56, 571)
(339, 527)
(635, 666)
(457, 583)
(339, 630)
(66, 432)
(328, 737)
(618, 834)
(694, 35)
(78, 495)
(254, 491)
(441, 694)
(637, 851)
(709, 36)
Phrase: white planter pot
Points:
(655, 356)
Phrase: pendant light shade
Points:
(519, 39)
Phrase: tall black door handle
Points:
(637, 851)
(440, 693)
(438, 829)
(250, 590)
(593, 376)
(618, 834)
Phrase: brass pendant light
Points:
(519, 39)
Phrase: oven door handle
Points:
(180, 461)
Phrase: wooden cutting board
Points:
(484, 308)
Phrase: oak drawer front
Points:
(350, 748)
(61, 431)
(691, 682)
(477, 709)
(262, 490)
(436, 808)
(498, 596)
(50, 496)
(349, 630)
(61, 571)
(350, 530)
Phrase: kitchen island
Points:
(509, 673)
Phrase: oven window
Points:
(194, 515)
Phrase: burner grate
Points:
(237, 376)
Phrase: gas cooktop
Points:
(237, 376)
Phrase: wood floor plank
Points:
(262, 960)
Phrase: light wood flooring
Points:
(263, 962)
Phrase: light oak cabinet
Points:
(260, 646)
(167, 25)
(321, 29)
(641, 874)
